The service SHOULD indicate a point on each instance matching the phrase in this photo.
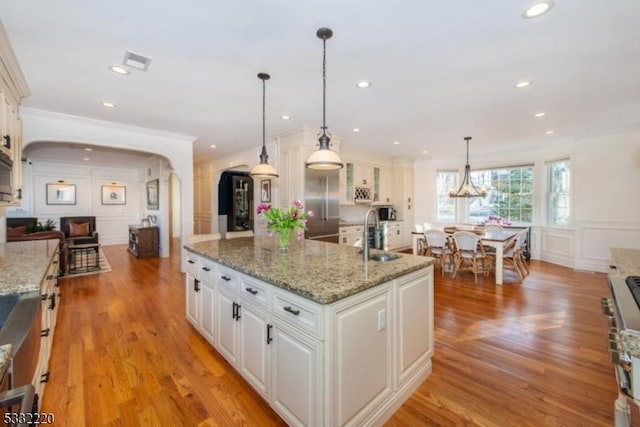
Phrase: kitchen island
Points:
(325, 337)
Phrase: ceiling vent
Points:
(136, 61)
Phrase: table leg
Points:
(499, 252)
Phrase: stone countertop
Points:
(361, 223)
(5, 358)
(627, 263)
(24, 264)
(322, 272)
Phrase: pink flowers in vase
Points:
(293, 218)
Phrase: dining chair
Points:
(195, 238)
(493, 227)
(237, 234)
(469, 250)
(513, 255)
(437, 245)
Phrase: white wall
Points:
(605, 196)
(39, 125)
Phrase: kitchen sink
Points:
(384, 256)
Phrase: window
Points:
(446, 180)
(509, 194)
(559, 192)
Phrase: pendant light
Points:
(324, 158)
(263, 169)
(467, 189)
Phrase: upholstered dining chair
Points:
(469, 250)
(437, 245)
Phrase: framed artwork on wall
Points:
(152, 195)
(114, 195)
(265, 190)
(61, 194)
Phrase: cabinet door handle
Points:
(206, 268)
(251, 291)
(49, 277)
(269, 328)
(45, 377)
(45, 332)
(226, 278)
(44, 297)
(238, 307)
(190, 261)
(52, 306)
(196, 285)
(291, 310)
(233, 310)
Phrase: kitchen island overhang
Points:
(324, 337)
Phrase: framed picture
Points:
(152, 194)
(265, 190)
(61, 194)
(114, 195)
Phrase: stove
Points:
(623, 320)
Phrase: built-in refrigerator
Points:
(322, 197)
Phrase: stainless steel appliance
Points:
(322, 197)
(387, 214)
(623, 312)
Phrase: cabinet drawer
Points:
(298, 311)
(227, 280)
(208, 270)
(255, 292)
(192, 262)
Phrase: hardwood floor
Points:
(518, 354)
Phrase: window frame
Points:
(438, 194)
(567, 193)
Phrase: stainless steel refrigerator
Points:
(322, 197)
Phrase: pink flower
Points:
(294, 214)
(300, 234)
(298, 204)
(263, 207)
(310, 214)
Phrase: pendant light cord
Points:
(263, 114)
(324, 85)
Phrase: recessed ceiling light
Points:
(550, 132)
(364, 84)
(118, 69)
(540, 114)
(213, 146)
(425, 151)
(396, 142)
(86, 159)
(537, 8)
(285, 117)
(523, 84)
(108, 104)
(356, 130)
(88, 149)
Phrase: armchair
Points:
(79, 230)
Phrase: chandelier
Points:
(467, 189)
(324, 158)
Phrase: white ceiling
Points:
(440, 70)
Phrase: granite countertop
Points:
(5, 358)
(627, 262)
(322, 272)
(24, 264)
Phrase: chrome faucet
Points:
(365, 243)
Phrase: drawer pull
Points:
(45, 332)
(226, 278)
(251, 291)
(44, 297)
(196, 285)
(190, 261)
(292, 311)
(206, 268)
(269, 328)
(45, 377)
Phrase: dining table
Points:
(495, 239)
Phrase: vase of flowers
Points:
(284, 222)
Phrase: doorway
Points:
(235, 202)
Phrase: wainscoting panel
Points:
(557, 246)
(595, 241)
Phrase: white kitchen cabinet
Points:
(207, 323)
(351, 362)
(363, 175)
(296, 386)
(385, 185)
(192, 288)
(200, 296)
(415, 320)
(394, 235)
(350, 234)
(227, 315)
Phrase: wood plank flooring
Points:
(518, 354)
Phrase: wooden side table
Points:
(143, 240)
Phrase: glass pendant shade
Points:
(467, 189)
(263, 169)
(324, 158)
